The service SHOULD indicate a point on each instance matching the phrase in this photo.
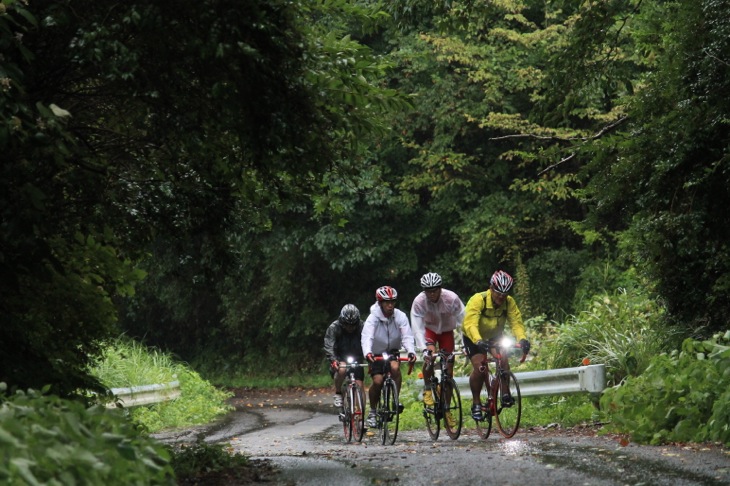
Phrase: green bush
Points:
(681, 397)
(48, 440)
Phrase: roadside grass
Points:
(126, 363)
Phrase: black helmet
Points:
(349, 315)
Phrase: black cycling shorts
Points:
(379, 367)
(359, 371)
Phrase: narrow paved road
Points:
(300, 434)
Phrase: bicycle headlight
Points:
(507, 342)
(350, 360)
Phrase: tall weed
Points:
(623, 331)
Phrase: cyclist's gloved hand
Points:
(370, 357)
(525, 344)
(483, 346)
(335, 364)
(411, 357)
(427, 355)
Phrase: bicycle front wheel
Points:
(429, 414)
(508, 417)
(346, 417)
(451, 403)
(358, 412)
(484, 426)
(388, 413)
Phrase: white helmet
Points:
(431, 280)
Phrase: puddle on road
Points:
(514, 448)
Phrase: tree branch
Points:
(556, 164)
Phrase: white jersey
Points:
(381, 334)
(440, 317)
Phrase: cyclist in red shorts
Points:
(435, 314)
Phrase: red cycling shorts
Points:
(444, 340)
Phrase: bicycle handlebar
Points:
(394, 358)
(441, 354)
(500, 349)
(352, 365)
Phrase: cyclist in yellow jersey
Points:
(485, 318)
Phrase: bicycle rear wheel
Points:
(484, 426)
(508, 418)
(388, 413)
(451, 400)
(358, 412)
(432, 421)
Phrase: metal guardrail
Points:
(145, 394)
(563, 381)
(589, 379)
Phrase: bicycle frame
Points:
(353, 396)
(387, 411)
(496, 384)
(446, 397)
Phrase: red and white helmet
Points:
(386, 293)
(501, 281)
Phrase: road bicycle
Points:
(495, 387)
(388, 409)
(446, 398)
(353, 402)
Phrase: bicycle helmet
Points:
(349, 315)
(386, 293)
(501, 281)
(431, 280)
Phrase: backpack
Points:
(484, 307)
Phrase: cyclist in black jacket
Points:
(341, 340)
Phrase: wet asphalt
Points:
(305, 441)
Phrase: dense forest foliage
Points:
(219, 177)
